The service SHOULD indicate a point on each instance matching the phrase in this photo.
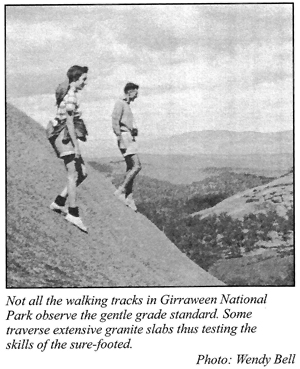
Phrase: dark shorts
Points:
(68, 158)
(79, 166)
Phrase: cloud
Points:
(180, 21)
(37, 48)
(209, 29)
(106, 42)
(24, 35)
(245, 70)
(198, 67)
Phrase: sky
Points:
(199, 67)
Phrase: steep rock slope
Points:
(43, 250)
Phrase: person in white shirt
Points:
(126, 131)
(66, 144)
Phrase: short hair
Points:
(75, 72)
(130, 86)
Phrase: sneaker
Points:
(58, 209)
(77, 222)
(120, 196)
(130, 203)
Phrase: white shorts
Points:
(127, 144)
(64, 149)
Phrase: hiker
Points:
(125, 129)
(68, 128)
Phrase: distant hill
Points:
(210, 145)
(257, 227)
(276, 195)
(222, 143)
(185, 169)
(208, 142)
(43, 250)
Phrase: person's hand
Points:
(83, 169)
(134, 132)
(77, 152)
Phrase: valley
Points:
(256, 247)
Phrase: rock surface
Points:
(271, 259)
(43, 250)
(276, 195)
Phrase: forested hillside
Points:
(240, 250)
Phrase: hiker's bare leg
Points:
(129, 166)
(81, 176)
(133, 168)
(81, 171)
(129, 186)
(64, 192)
(71, 184)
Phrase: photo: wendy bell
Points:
(149, 145)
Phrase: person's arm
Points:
(70, 108)
(116, 117)
(134, 125)
(71, 129)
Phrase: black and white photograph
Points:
(149, 145)
(149, 155)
